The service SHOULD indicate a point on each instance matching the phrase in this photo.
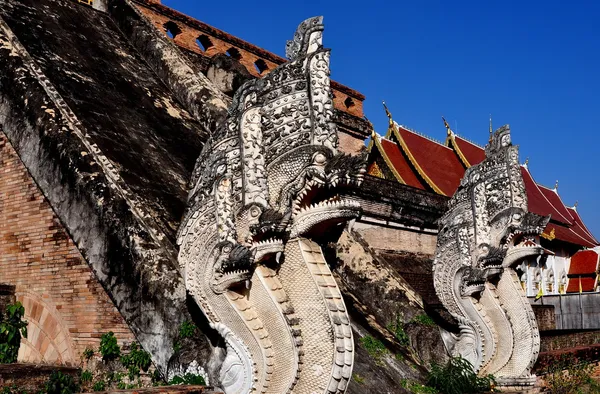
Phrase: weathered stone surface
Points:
(110, 149)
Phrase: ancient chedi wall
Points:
(66, 307)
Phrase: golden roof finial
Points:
(387, 112)
(491, 130)
(447, 126)
(556, 185)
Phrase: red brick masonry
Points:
(66, 307)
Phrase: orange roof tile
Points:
(584, 262)
(587, 284)
(437, 164)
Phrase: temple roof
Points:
(421, 162)
(396, 162)
(538, 202)
(468, 152)
(584, 262)
(435, 163)
(583, 271)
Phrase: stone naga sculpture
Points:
(486, 232)
(265, 187)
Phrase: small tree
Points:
(12, 329)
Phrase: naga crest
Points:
(266, 185)
(485, 234)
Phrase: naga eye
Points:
(517, 216)
(320, 159)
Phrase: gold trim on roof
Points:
(388, 161)
(414, 161)
(456, 149)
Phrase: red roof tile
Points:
(393, 157)
(566, 234)
(580, 228)
(436, 163)
(584, 262)
(537, 202)
(473, 153)
(554, 199)
(587, 284)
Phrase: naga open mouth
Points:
(320, 203)
(234, 266)
(520, 245)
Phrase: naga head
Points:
(292, 175)
(489, 216)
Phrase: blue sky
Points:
(531, 64)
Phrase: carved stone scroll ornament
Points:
(485, 234)
(266, 184)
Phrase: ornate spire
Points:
(526, 164)
(491, 130)
(575, 205)
(387, 112)
(556, 186)
(447, 126)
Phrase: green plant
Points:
(567, 376)
(417, 388)
(188, 379)
(187, 329)
(86, 376)
(88, 353)
(12, 328)
(108, 347)
(397, 328)
(458, 377)
(374, 347)
(13, 389)
(358, 379)
(60, 383)
(137, 359)
(423, 319)
(99, 386)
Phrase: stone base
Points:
(518, 385)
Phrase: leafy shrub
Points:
(374, 347)
(13, 389)
(99, 386)
(108, 347)
(88, 353)
(417, 388)
(137, 359)
(187, 329)
(424, 320)
(188, 378)
(567, 376)
(60, 383)
(86, 376)
(12, 328)
(397, 328)
(458, 377)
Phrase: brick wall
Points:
(66, 307)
